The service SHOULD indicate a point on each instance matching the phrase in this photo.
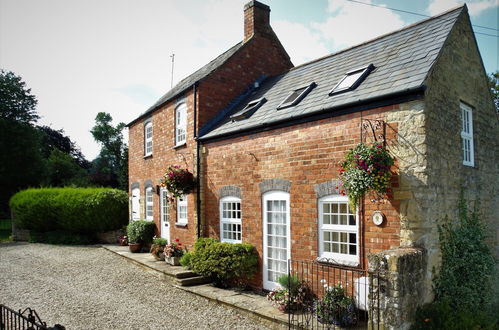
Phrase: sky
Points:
(81, 57)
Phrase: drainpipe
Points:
(198, 162)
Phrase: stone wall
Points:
(397, 277)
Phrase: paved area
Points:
(91, 288)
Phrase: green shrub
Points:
(225, 263)
(141, 231)
(160, 241)
(441, 316)
(61, 237)
(185, 260)
(75, 210)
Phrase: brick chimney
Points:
(256, 20)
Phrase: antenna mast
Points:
(173, 62)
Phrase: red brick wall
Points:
(165, 154)
(306, 154)
(259, 56)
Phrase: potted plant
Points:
(335, 307)
(293, 294)
(157, 247)
(140, 233)
(123, 240)
(366, 168)
(173, 252)
(178, 181)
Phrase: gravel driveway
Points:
(90, 288)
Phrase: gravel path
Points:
(90, 288)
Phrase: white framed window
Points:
(230, 220)
(467, 135)
(180, 124)
(149, 203)
(148, 138)
(182, 209)
(338, 231)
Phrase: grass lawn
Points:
(5, 229)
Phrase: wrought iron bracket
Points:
(373, 130)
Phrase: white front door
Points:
(136, 204)
(165, 215)
(276, 237)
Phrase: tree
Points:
(494, 87)
(63, 170)
(111, 165)
(17, 103)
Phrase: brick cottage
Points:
(265, 140)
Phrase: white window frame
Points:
(148, 138)
(165, 209)
(339, 258)
(182, 202)
(149, 204)
(180, 124)
(467, 135)
(231, 220)
(135, 204)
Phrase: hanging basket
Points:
(178, 181)
(366, 168)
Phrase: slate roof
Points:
(191, 79)
(402, 59)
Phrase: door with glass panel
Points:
(276, 237)
(165, 215)
(135, 204)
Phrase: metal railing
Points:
(327, 296)
(23, 320)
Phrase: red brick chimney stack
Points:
(256, 20)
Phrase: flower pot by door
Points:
(174, 261)
(135, 247)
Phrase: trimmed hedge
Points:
(226, 264)
(76, 210)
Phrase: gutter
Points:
(360, 105)
(198, 162)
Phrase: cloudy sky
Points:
(81, 57)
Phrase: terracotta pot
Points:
(174, 261)
(123, 241)
(135, 247)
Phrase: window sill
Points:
(181, 224)
(179, 145)
(148, 156)
(346, 263)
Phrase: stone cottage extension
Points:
(265, 140)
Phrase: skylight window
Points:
(248, 110)
(352, 80)
(296, 96)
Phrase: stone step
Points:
(190, 281)
(185, 274)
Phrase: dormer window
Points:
(148, 138)
(296, 96)
(248, 110)
(352, 80)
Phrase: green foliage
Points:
(494, 88)
(140, 231)
(61, 237)
(441, 316)
(159, 241)
(111, 167)
(366, 168)
(185, 260)
(290, 283)
(178, 181)
(335, 307)
(225, 263)
(16, 102)
(55, 139)
(5, 230)
(465, 277)
(62, 170)
(76, 210)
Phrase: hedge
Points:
(77, 210)
(226, 264)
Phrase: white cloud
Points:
(475, 7)
(354, 23)
(301, 43)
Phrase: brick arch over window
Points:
(275, 184)
(327, 188)
(227, 191)
(148, 184)
(135, 185)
